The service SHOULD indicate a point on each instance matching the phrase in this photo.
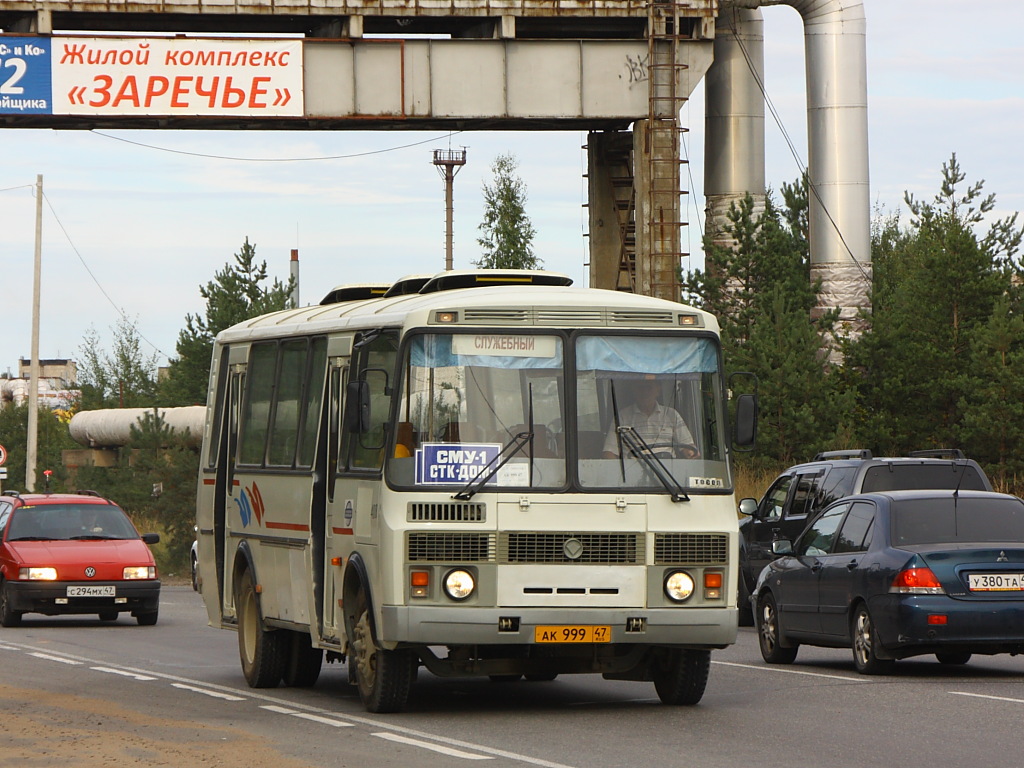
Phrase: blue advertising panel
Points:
(447, 463)
(25, 76)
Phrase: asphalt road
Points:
(79, 692)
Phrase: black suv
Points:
(801, 491)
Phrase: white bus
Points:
(444, 476)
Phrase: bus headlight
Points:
(459, 584)
(679, 586)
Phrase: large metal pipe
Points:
(112, 427)
(734, 119)
(837, 131)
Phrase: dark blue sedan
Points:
(899, 574)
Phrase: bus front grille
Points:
(571, 548)
(690, 548)
(449, 547)
(446, 512)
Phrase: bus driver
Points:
(660, 426)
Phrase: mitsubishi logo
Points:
(573, 549)
(90, 572)
(1002, 558)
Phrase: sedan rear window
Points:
(911, 477)
(941, 521)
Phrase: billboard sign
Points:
(25, 76)
(151, 76)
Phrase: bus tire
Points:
(304, 661)
(263, 653)
(384, 678)
(681, 675)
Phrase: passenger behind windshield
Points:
(660, 426)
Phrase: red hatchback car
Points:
(73, 554)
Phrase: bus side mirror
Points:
(745, 427)
(357, 407)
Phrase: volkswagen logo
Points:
(573, 549)
(90, 571)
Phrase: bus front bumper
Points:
(432, 625)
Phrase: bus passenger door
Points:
(337, 534)
(364, 416)
(225, 481)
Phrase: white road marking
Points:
(243, 695)
(789, 671)
(50, 657)
(306, 716)
(124, 673)
(208, 692)
(984, 696)
(433, 747)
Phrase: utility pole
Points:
(31, 448)
(448, 163)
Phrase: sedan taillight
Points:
(916, 581)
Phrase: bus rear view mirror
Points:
(745, 428)
(357, 407)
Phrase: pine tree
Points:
(236, 293)
(507, 239)
(760, 290)
(936, 286)
(122, 378)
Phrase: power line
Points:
(273, 159)
(97, 282)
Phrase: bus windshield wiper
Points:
(512, 447)
(641, 450)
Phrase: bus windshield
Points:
(496, 405)
(467, 397)
(643, 401)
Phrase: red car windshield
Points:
(66, 522)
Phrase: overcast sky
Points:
(136, 221)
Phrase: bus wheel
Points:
(263, 653)
(304, 661)
(681, 675)
(384, 678)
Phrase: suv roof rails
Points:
(861, 454)
(13, 494)
(89, 493)
(938, 453)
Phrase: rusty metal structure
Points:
(619, 69)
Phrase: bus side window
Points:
(365, 449)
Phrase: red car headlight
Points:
(132, 572)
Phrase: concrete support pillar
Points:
(609, 190)
(656, 169)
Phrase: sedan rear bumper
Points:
(917, 624)
(51, 597)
